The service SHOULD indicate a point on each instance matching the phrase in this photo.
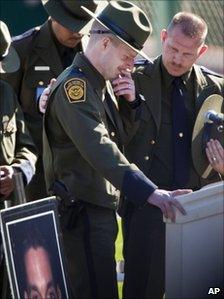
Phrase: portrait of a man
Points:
(33, 249)
(40, 275)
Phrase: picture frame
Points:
(35, 222)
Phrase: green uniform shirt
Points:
(163, 155)
(78, 150)
(148, 149)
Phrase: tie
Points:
(181, 135)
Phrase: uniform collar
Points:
(186, 77)
(166, 77)
(83, 63)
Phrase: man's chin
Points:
(73, 43)
(176, 72)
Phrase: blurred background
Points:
(21, 15)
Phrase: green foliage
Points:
(119, 255)
(120, 284)
(119, 243)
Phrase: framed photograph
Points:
(33, 250)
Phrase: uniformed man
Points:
(161, 146)
(45, 51)
(17, 151)
(83, 163)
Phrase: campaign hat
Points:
(127, 22)
(68, 13)
(203, 131)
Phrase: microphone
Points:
(213, 117)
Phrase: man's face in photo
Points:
(40, 282)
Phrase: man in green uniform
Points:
(82, 162)
(45, 51)
(17, 151)
(161, 147)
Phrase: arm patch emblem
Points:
(75, 90)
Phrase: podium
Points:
(194, 246)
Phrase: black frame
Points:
(15, 224)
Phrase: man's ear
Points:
(203, 49)
(105, 42)
(163, 35)
(58, 292)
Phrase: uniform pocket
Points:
(36, 78)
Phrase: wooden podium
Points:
(194, 246)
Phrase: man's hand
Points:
(124, 86)
(165, 200)
(215, 155)
(44, 97)
(6, 180)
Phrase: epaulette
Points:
(28, 33)
(76, 72)
(209, 72)
(140, 62)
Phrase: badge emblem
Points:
(75, 90)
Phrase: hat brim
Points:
(11, 62)
(200, 161)
(56, 10)
(95, 16)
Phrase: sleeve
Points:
(84, 125)
(25, 154)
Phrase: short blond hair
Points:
(190, 24)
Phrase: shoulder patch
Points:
(75, 90)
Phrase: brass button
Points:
(181, 134)
(41, 83)
(152, 141)
(146, 158)
(112, 134)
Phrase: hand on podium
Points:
(165, 200)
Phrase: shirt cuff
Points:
(136, 103)
(137, 187)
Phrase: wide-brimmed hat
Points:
(9, 59)
(68, 13)
(205, 130)
(127, 22)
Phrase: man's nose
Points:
(177, 58)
